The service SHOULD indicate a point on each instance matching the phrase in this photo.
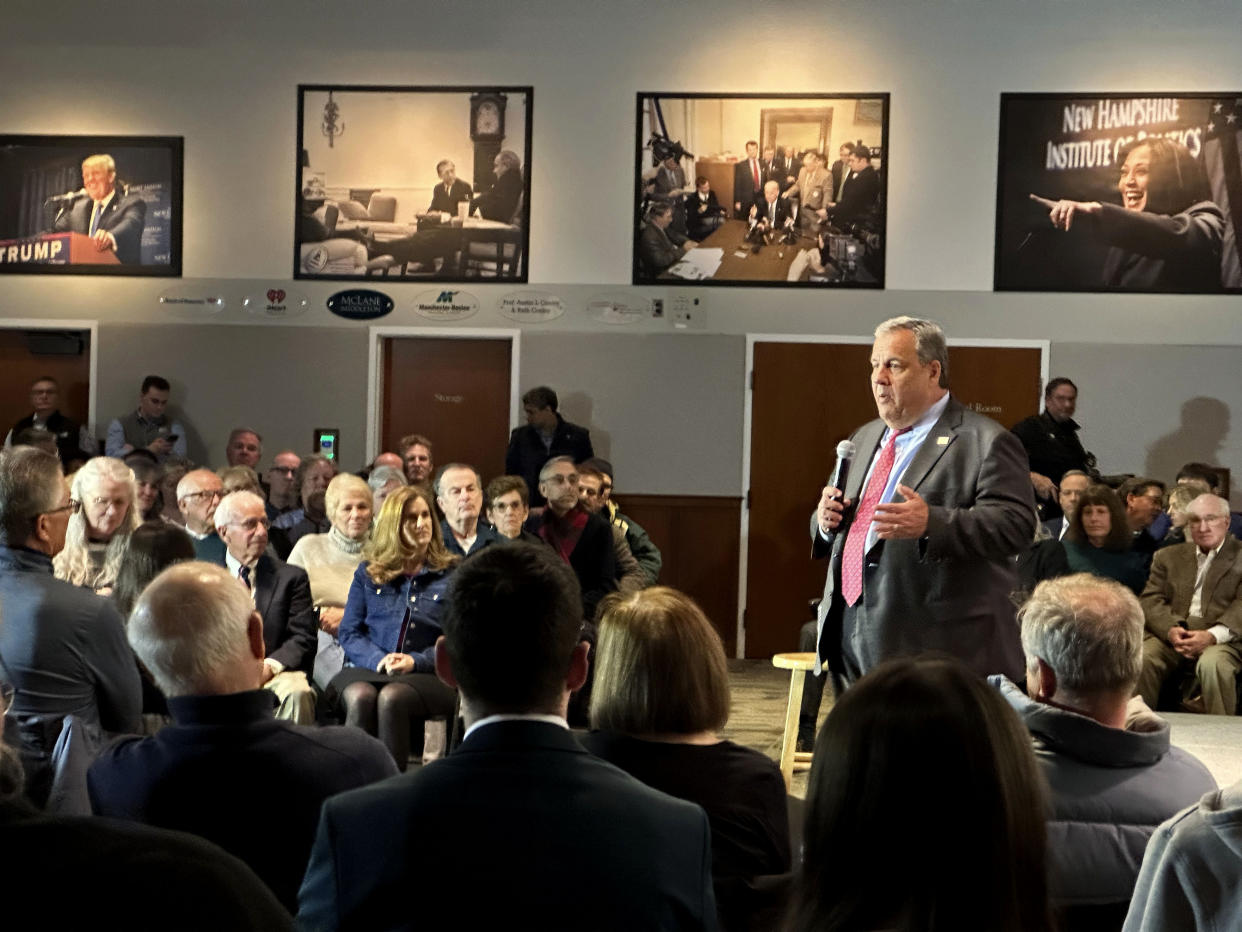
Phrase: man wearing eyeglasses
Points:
(1192, 607)
(281, 595)
(282, 495)
(64, 647)
(198, 494)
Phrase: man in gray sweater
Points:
(1112, 771)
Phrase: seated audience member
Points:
(508, 507)
(1193, 608)
(544, 435)
(198, 494)
(147, 481)
(64, 647)
(148, 427)
(500, 202)
(244, 448)
(1191, 879)
(1072, 485)
(330, 560)
(561, 837)
(771, 211)
(656, 249)
(926, 743)
(153, 547)
(704, 213)
(102, 856)
(174, 470)
(393, 615)
(858, 194)
(1180, 497)
(313, 475)
(383, 481)
(640, 543)
(36, 437)
(240, 479)
(416, 453)
(282, 494)
(1206, 479)
(391, 460)
(73, 444)
(1044, 559)
(1099, 540)
(281, 595)
(1112, 772)
(198, 633)
(661, 697)
(629, 575)
(99, 529)
(1144, 503)
(459, 493)
(451, 190)
(581, 539)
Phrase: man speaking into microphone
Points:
(934, 506)
(113, 219)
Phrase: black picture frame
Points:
(46, 214)
(356, 142)
(853, 251)
(1179, 237)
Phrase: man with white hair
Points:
(197, 632)
(1113, 774)
(281, 595)
(1193, 607)
(198, 494)
(112, 218)
(459, 493)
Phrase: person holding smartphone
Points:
(149, 426)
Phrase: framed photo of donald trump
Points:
(781, 190)
(91, 205)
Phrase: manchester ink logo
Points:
(446, 305)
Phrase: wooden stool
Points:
(791, 759)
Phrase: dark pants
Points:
(813, 689)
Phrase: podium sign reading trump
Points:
(1133, 192)
(413, 183)
(90, 205)
(751, 189)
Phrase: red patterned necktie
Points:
(856, 537)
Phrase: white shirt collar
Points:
(514, 717)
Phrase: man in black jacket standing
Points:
(545, 435)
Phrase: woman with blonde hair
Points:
(392, 618)
(330, 560)
(660, 698)
(98, 532)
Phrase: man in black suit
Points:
(747, 182)
(113, 219)
(518, 826)
(501, 201)
(703, 211)
(841, 169)
(197, 632)
(860, 192)
(656, 247)
(282, 597)
(772, 210)
(451, 190)
(937, 503)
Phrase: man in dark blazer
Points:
(501, 201)
(197, 632)
(451, 190)
(841, 169)
(281, 595)
(771, 211)
(747, 181)
(704, 215)
(936, 504)
(519, 826)
(860, 193)
(546, 434)
(1192, 606)
(112, 218)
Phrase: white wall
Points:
(224, 76)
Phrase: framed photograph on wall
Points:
(782, 190)
(1133, 192)
(91, 205)
(413, 183)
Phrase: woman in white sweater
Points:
(330, 560)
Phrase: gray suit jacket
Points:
(949, 590)
(1171, 586)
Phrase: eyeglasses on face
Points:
(195, 496)
(73, 508)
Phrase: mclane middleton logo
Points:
(446, 305)
(360, 304)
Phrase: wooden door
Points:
(806, 397)
(27, 355)
(453, 391)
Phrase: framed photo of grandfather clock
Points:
(413, 183)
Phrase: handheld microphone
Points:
(841, 473)
(67, 196)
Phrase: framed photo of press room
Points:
(779, 190)
(1133, 192)
(412, 183)
(91, 205)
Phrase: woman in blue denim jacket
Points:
(392, 620)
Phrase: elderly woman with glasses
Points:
(98, 533)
